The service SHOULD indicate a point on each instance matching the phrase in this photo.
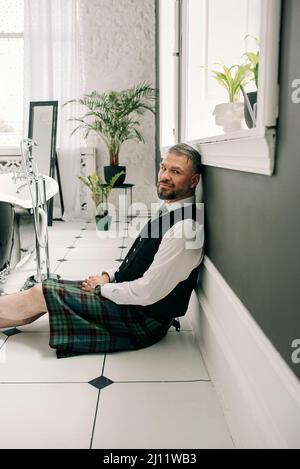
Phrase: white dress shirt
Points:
(180, 251)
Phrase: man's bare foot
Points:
(21, 323)
(22, 308)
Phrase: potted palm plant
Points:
(100, 192)
(115, 117)
(230, 115)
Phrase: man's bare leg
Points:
(22, 308)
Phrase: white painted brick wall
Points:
(118, 51)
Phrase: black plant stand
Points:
(55, 170)
(127, 187)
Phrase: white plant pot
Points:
(229, 116)
(103, 222)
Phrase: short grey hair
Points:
(182, 149)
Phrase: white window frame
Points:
(10, 150)
(250, 150)
(177, 55)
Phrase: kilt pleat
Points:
(81, 322)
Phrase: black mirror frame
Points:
(54, 104)
(53, 163)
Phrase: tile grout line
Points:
(75, 240)
(165, 381)
(95, 418)
(43, 382)
(97, 406)
(114, 382)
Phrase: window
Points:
(229, 129)
(169, 71)
(11, 72)
(212, 41)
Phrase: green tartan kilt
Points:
(81, 322)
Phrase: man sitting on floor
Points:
(134, 306)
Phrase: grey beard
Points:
(169, 196)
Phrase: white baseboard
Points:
(259, 393)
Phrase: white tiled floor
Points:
(161, 396)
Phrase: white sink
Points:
(9, 190)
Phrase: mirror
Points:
(42, 129)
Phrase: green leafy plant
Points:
(115, 115)
(100, 191)
(253, 60)
(232, 78)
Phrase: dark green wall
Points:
(253, 221)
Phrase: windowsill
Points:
(250, 150)
(10, 151)
(15, 151)
(243, 133)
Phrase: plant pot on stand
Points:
(110, 171)
(100, 193)
(114, 168)
(103, 222)
(229, 116)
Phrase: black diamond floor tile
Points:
(119, 260)
(101, 382)
(71, 247)
(122, 247)
(10, 332)
(62, 260)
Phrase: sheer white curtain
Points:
(52, 73)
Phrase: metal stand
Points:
(4, 273)
(39, 277)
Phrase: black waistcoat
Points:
(141, 255)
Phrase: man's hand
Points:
(90, 283)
